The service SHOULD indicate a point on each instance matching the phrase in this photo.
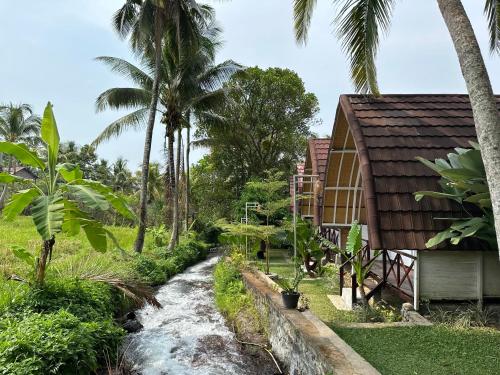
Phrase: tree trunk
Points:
(42, 262)
(267, 257)
(188, 146)
(483, 102)
(6, 186)
(175, 217)
(141, 233)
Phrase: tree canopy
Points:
(264, 125)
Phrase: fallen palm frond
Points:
(137, 291)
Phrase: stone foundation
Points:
(299, 339)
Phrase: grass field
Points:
(439, 349)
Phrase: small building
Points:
(371, 175)
(312, 191)
(22, 172)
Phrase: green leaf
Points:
(23, 254)
(48, 215)
(89, 197)
(70, 172)
(6, 178)
(22, 153)
(353, 244)
(472, 160)
(96, 234)
(118, 203)
(72, 218)
(434, 194)
(18, 202)
(429, 164)
(461, 174)
(440, 237)
(477, 197)
(50, 134)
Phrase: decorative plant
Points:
(354, 255)
(308, 246)
(59, 198)
(291, 286)
(258, 232)
(463, 180)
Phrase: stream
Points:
(187, 336)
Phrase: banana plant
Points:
(354, 255)
(463, 180)
(60, 200)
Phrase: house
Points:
(315, 165)
(22, 172)
(371, 176)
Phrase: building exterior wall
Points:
(458, 275)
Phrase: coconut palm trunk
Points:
(188, 146)
(175, 211)
(483, 102)
(141, 233)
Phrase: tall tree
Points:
(145, 21)
(358, 23)
(264, 125)
(189, 80)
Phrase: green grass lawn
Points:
(71, 255)
(427, 350)
(438, 349)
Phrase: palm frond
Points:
(302, 14)
(122, 98)
(127, 70)
(492, 12)
(133, 121)
(358, 23)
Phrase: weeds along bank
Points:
(73, 322)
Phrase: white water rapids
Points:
(187, 336)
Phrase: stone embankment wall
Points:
(299, 339)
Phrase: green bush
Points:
(149, 270)
(230, 294)
(55, 343)
(87, 300)
(170, 266)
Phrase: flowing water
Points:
(187, 336)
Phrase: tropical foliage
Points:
(263, 126)
(57, 200)
(463, 180)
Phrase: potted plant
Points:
(290, 289)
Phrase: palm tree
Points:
(122, 177)
(18, 124)
(145, 21)
(189, 79)
(358, 23)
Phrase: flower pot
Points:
(290, 300)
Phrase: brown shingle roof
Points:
(317, 151)
(389, 133)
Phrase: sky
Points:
(48, 54)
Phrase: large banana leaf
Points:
(116, 202)
(96, 234)
(50, 135)
(89, 197)
(354, 242)
(6, 178)
(18, 202)
(21, 152)
(70, 172)
(48, 214)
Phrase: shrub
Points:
(87, 300)
(149, 270)
(170, 266)
(55, 343)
